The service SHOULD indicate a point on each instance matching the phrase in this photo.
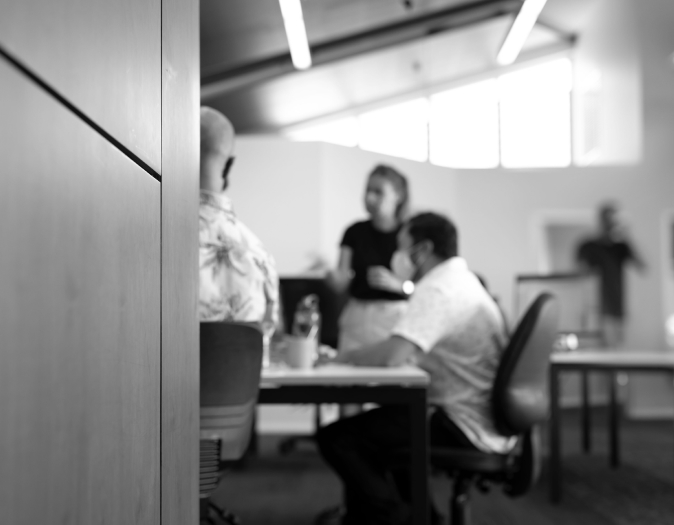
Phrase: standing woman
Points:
(377, 297)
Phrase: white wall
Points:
(275, 188)
(607, 90)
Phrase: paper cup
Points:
(300, 352)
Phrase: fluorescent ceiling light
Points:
(519, 31)
(296, 33)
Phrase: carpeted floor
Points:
(628, 495)
(279, 490)
(290, 490)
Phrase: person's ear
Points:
(426, 248)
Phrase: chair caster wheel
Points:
(226, 516)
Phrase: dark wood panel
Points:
(79, 320)
(104, 57)
(180, 331)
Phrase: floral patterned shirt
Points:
(237, 277)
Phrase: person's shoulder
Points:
(586, 246)
(452, 283)
(447, 275)
(623, 244)
(248, 235)
(624, 248)
(588, 242)
(358, 229)
(360, 226)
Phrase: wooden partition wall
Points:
(98, 262)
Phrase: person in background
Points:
(237, 277)
(377, 297)
(607, 254)
(454, 331)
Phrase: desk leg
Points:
(419, 457)
(614, 444)
(585, 409)
(555, 471)
(253, 447)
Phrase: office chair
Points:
(231, 362)
(520, 401)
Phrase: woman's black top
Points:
(370, 247)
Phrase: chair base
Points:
(289, 444)
(459, 508)
(212, 514)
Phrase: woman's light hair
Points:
(399, 183)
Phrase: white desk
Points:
(634, 360)
(604, 361)
(345, 384)
(343, 375)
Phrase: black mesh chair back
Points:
(231, 360)
(520, 396)
(231, 363)
(521, 393)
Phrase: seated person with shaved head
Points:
(237, 277)
(453, 330)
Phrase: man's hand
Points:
(382, 278)
(318, 264)
(326, 356)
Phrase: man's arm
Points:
(425, 322)
(635, 257)
(395, 351)
(582, 263)
(340, 277)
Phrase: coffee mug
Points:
(300, 352)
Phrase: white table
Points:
(405, 385)
(343, 375)
(584, 361)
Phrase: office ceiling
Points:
(365, 52)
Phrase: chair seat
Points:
(455, 459)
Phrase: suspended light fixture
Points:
(296, 33)
(519, 31)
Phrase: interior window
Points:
(464, 127)
(343, 131)
(535, 116)
(520, 119)
(400, 130)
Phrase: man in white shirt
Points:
(454, 331)
(237, 277)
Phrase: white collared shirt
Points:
(461, 331)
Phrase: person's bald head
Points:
(217, 146)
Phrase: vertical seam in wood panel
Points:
(161, 264)
(25, 70)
